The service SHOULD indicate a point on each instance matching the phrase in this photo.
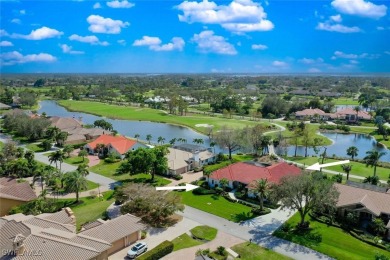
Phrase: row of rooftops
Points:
(54, 235)
(339, 114)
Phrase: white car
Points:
(137, 249)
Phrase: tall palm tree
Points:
(172, 141)
(262, 189)
(148, 138)
(347, 169)
(160, 140)
(352, 151)
(56, 157)
(83, 169)
(52, 132)
(75, 182)
(357, 110)
(60, 138)
(372, 159)
(198, 141)
(136, 136)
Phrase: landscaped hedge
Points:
(259, 212)
(158, 252)
(203, 191)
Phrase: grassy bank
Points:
(148, 114)
(336, 242)
(249, 251)
(358, 169)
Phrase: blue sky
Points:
(239, 36)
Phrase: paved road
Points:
(258, 234)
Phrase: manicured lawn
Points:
(345, 101)
(336, 242)
(91, 209)
(75, 160)
(204, 232)
(249, 251)
(154, 115)
(184, 241)
(218, 205)
(109, 169)
(34, 147)
(358, 168)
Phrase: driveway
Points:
(258, 234)
(157, 235)
(223, 239)
(188, 177)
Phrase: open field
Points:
(148, 114)
(344, 247)
(358, 168)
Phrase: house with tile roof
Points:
(350, 115)
(119, 145)
(53, 236)
(186, 157)
(248, 173)
(13, 193)
(370, 204)
(310, 113)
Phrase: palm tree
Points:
(100, 149)
(56, 157)
(136, 136)
(372, 158)
(148, 138)
(52, 132)
(262, 188)
(60, 138)
(223, 183)
(83, 169)
(352, 151)
(75, 182)
(83, 153)
(347, 169)
(198, 141)
(68, 149)
(357, 110)
(160, 140)
(172, 141)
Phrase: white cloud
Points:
(259, 47)
(360, 8)
(342, 55)
(314, 70)
(380, 28)
(97, 6)
(6, 44)
(120, 4)
(387, 52)
(209, 43)
(147, 41)
(337, 28)
(239, 16)
(68, 49)
(22, 12)
(39, 34)
(122, 42)
(353, 62)
(280, 64)
(336, 18)
(311, 61)
(11, 58)
(99, 24)
(3, 33)
(16, 20)
(154, 43)
(91, 39)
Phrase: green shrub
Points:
(158, 252)
(259, 212)
(203, 191)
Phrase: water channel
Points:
(129, 128)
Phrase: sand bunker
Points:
(203, 125)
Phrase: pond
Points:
(341, 142)
(127, 127)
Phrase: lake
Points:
(129, 128)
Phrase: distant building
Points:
(13, 193)
(350, 115)
(311, 113)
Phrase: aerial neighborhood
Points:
(233, 171)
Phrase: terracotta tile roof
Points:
(116, 228)
(350, 111)
(11, 189)
(310, 112)
(65, 122)
(120, 143)
(376, 202)
(8, 231)
(246, 172)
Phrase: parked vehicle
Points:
(138, 249)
